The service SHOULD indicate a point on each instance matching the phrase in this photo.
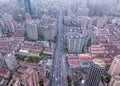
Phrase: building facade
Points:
(75, 41)
(95, 73)
(47, 27)
(28, 6)
(31, 30)
(8, 22)
(10, 61)
(115, 68)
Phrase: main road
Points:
(59, 67)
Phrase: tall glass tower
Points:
(20, 3)
(28, 6)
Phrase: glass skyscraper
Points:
(28, 6)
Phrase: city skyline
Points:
(59, 42)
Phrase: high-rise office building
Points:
(95, 73)
(115, 81)
(31, 30)
(30, 78)
(115, 66)
(28, 6)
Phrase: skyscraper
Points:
(30, 78)
(31, 29)
(28, 6)
(115, 66)
(20, 3)
(95, 72)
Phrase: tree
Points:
(20, 57)
(41, 83)
(89, 42)
(41, 53)
(69, 80)
(106, 79)
(66, 50)
(33, 59)
(8, 34)
(107, 67)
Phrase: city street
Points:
(59, 70)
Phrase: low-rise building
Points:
(85, 60)
(49, 51)
(96, 50)
(5, 73)
(14, 82)
(46, 82)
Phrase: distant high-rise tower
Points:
(28, 6)
(95, 73)
(20, 3)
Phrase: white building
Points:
(75, 41)
(75, 44)
(8, 22)
(32, 30)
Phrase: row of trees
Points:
(69, 80)
(33, 59)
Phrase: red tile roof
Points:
(86, 58)
(46, 81)
(17, 75)
(74, 63)
(4, 72)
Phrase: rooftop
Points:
(99, 62)
(117, 77)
